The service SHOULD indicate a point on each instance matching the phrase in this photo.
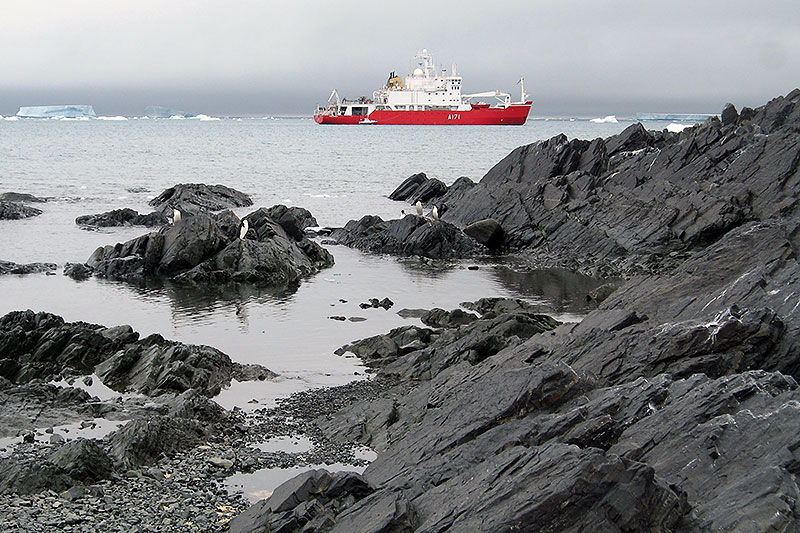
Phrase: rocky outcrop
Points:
(42, 346)
(411, 235)
(122, 217)
(21, 197)
(16, 211)
(197, 197)
(8, 267)
(639, 201)
(207, 249)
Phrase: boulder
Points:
(487, 232)
(196, 197)
(411, 235)
(21, 197)
(16, 210)
(309, 502)
(122, 217)
(8, 267)
(155, 365)
(729, 114)
(406, 190)
(83, 460)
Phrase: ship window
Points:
(359, 110)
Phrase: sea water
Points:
(337, 172)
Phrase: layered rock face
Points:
(674, 406)
(638, 201)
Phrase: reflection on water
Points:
(565, 292)
(289, 330)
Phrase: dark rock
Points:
(16, 211)
(189, 420)
(154, 365)
(729, 114)
(207, 249)
(21, 197)
(309, 501)
(411, 235)
(293, 220)
(432, 188)
(386, 303)
(412, 313)
(602, 292)
(639, 201)
(632, 138)
(43, 346)
(439, 318)
(83, 460)
(30, 475)
(78, 271)
(487, 232)
(195, 197)
(122, 217)
(407, 189)
(251, 372)
(7, 267)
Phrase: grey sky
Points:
(582, 58)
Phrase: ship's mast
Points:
(523, 97)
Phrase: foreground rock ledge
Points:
(674, 406)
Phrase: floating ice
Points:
(206, 117)
(56, 111)
(118, 117)
(610, 119)
(677, 128)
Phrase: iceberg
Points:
(610, 119)
(689, 117)
(56, 111)
(157, 111)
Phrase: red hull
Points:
(515, 115)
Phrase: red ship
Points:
(428, 99)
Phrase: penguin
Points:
(418, 205)
(435, 213)
(243, 227)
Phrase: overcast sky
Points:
(579, 58)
